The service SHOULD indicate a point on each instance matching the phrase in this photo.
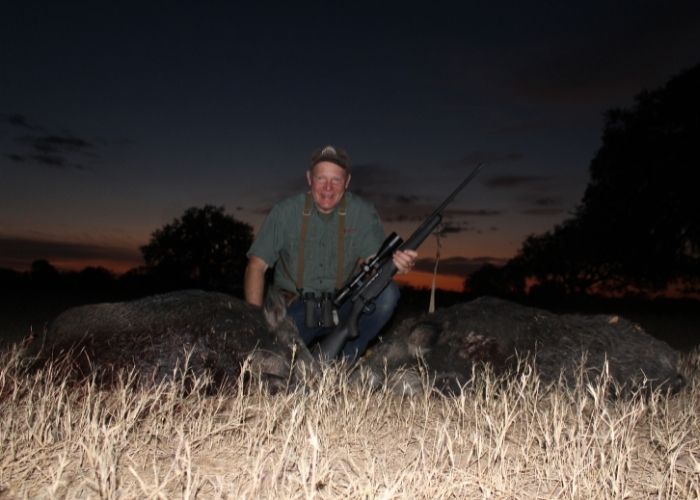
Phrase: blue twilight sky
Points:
(116, 117)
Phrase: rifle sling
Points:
(302, 239)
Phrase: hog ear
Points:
(274, 308)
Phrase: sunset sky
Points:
(115, 118)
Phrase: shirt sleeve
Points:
(372, 236)
(267, 243)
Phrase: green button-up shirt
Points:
(277, 242)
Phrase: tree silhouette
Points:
(642, 197)
(43, 275)
(205, 248)
(638, 224)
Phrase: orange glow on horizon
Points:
(418, 279)
(115, 266)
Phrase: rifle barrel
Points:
(454, 193)
(429, 224)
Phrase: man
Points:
(316, 241)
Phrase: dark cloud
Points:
(55, 161)
(513, 181)
(543, 206)
(391, 214)
(458, 212)
(59, 151)
(377, 179)
(390, 210)
(489, 157)
(55, 143)
(21, 121)
(457, 266)
(50, 160)
(533, 195)
(455, 227)
(21, 252)
(548, 201)
(403, 199)
(543, 212)
(452, 229)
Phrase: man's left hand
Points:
(404, 260)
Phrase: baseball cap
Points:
(331, 154)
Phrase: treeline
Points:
(44, 281)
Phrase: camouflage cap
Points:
(331, 154)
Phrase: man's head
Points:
(331, 154)
(328, 177)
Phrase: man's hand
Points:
(404, 260)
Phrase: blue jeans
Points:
(369, 324)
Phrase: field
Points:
(337, 438)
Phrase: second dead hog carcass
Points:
(212, 333)
(451, 341)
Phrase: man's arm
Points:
(254, 280)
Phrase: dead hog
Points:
(212, 332)
(452, 340)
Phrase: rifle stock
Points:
(330, 345)
(364, 287)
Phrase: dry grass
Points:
(498, 439)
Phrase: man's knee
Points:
(386, 301)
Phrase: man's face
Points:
(328, 182)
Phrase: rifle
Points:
(376, 274)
